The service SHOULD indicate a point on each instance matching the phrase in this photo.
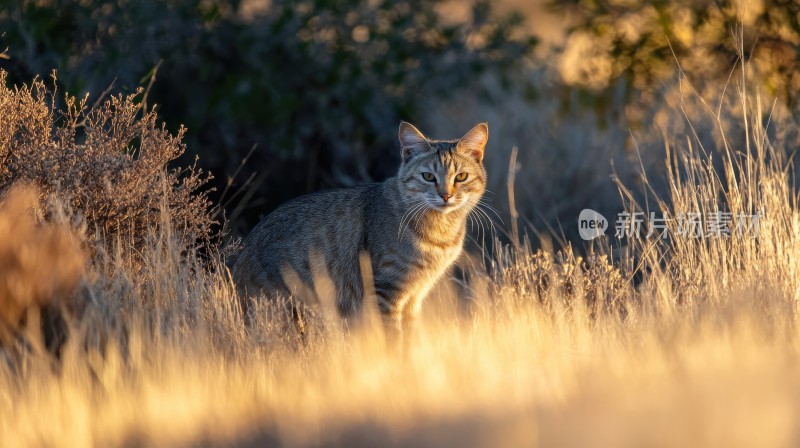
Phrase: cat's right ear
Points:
(412, 142)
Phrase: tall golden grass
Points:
(536, 348)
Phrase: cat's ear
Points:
(474, 141)
(412, 141)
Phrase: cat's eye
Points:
(461, 177)
(428, 176)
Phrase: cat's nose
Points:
(446, 197)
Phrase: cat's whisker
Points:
(411, 213)
(481, 205)
(403, 217)
(486, 202)
(406, 218)
(489, 218)
(479, 242)
(482, 233)
(482, 202)
(477, 218)
(487, 224)
(418, 214)
(485, 217)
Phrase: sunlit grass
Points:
(726, 375)
(544, 349)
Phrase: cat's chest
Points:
(428, 268)
(433, 259)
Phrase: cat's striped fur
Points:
(412, 227)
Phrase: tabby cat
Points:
(411, 226)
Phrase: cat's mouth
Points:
(444, 207)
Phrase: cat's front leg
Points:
(410, 313)
(390, 306)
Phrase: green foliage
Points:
(641, 42)
(319, 86)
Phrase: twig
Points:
(512, 207)
(97, 102)
(150, 86)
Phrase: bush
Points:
(107, 163)
(318, 86)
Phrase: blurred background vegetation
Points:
(285, 97)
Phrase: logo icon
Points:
(591, 224)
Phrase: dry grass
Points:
(107, 163)
(540, 349)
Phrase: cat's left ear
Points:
(474, 141)
(412, 142)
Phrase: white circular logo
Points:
(591, 224)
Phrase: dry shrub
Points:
(40, 263)
(107, 163)
(555, 279)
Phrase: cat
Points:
(411, 227)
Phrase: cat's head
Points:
(445, 175)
